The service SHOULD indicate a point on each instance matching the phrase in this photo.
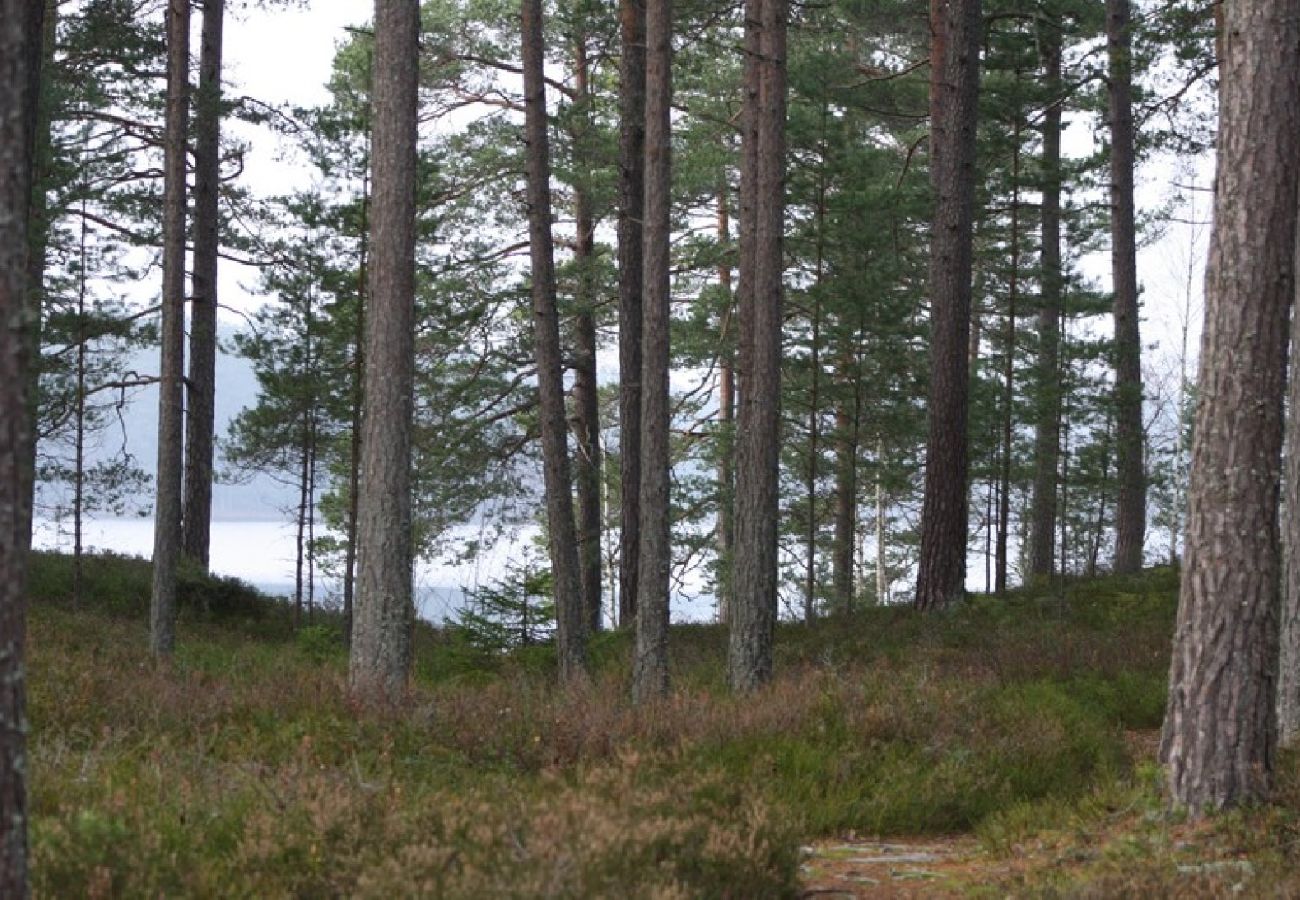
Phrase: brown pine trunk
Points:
(1009, 370)
(380, 660)
(354, 444)
(200, 420)
(585, 387)
(167, 480)
(650, 664)
(846, 494)
(726, 415)
(631, 188)
(954, 90)
(1047, 413)
(21, 28)
(571, 623)
(1131, 502)
(754, 600)
(41, 25)
(1219, 737)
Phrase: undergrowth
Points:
(242, 769)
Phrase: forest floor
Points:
(1003, 749)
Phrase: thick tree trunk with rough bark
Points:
(1288, 679)
(754, 579)
(586, 390)
(1047, 412)
(571, 623)
(167, 478)
(1219, 737)
(631, 188)
(1130, 472)
(650, 664)
(200, 419)
(955, 27)
(384, 611)
(20, 54)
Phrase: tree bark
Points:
(954, 90)
(1219, 737)
(200, 421)
(585, 387)
(1047, 425)
(571, 623)
(1009, 370)
(1130, 472)
(380, 659)
(631, 151)
(40, 26)
(754, 600)
(167, 478)
(21, 27)
(650, 664)
(357, 396)
(726, 448)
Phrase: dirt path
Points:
(927, 867)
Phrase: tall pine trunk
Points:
(571, 623)
(726, 446)
(650, 664)
(21, 27)
(1130, 472)
(1219, 742)
(754, 596)
(631, 189)
(201, 417)
(380, 659)
(586, 390)
(1047, 406)
(1009, 370)
(356, 396)
(167, 480)
(954, 90)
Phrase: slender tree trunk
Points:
(1047, 426)
(954, 88)
(650, 665)
(1131, 504)
(383, 618)
(759, 424)
(21, 27)
(882, 566)
(814, 400)
(354, 442)
(631, 187)
(167, 480)
(79, 449)
(571, 622)
(846, 492)
(41, 26)
(585, 388)
(726, 415)
(1009, 368)
(201, 419)
(1220, 733)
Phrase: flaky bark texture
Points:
(954, 91)
(1220, 731)
(167, 480)
(20, 32)
(1047, 405)
(1130, 472)
(200, 419)
(631, 189)
(650, 663)
(1288, 678)
(383, 613)
(754, 575)
(571, 623)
